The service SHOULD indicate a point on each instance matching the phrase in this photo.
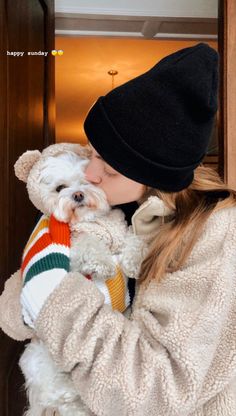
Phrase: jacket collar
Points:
(148, 217)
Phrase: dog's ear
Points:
(25, 163)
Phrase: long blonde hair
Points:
(192, 206)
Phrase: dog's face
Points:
(63, 189)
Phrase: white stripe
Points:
(52, 248)
(37, 290)
(104, 289)
(26, 317)
(127, 297)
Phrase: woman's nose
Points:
(92, 174)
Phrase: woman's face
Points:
(118, 188)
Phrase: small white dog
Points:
(97, 231)
(100, 238)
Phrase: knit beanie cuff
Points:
(103, 135)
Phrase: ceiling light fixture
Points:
(112, 72)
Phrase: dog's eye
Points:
(60, 187)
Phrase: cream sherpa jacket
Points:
(175, 355)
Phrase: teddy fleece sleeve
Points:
(175, 353)
(11, 321)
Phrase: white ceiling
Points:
(149, 19)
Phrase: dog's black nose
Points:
(78, 196)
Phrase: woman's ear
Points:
(25, 163)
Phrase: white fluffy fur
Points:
(47, 386)
(88, 254)
(67, 169)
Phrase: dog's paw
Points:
(101, 268)
(131, 266)
(90, 256)
(133, 255)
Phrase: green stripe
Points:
(49, 262)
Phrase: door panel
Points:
(27, 108)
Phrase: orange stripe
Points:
(41, 225)
(116, 287)
(59, 231)
(42, 243)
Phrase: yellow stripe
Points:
(42, 224)
(116, 287)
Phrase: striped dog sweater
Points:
(44, 252)
(48, 254)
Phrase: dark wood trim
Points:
(4, 140)
(227, 114)
(230, 53)
(222, 163)
(27, 118)
(49, 73)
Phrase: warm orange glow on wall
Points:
(81, 74)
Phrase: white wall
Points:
(171, 8)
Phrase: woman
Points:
(176, 354)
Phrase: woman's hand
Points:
(45, 262)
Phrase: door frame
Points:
(227, 104)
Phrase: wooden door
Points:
(26, 122)
(227, 49)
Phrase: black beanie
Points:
(155, 128)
